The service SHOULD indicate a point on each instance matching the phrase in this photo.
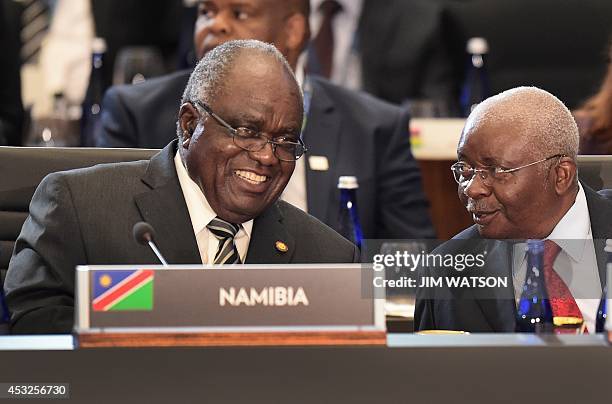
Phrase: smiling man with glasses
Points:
(516, 175)
(211, 195)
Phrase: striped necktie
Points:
(35, 21)
(225, 232)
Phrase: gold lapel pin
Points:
(281, 247)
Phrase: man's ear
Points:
(188, 119)
(565, 177)
(297, 33)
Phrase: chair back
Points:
(22, 169)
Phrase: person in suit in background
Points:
(517, 177)
(11, 107)
(594, 119)
(347, 133)
(211, 194)
(413, 64)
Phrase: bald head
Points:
(524, 142)
(544, 123)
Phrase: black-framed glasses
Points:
(464, 173)
(253, 141)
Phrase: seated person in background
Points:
(211, 194)
(348, 133)
(594, 119)
(517, 177)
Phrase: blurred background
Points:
(61, 55)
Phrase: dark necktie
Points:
(34, 27)
(321, 52)
(225, 232)
(561, 300)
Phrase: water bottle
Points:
(476, 86)
(4, 314)
(348, 217)
(602, 310)
(534, 313)
(93, 100)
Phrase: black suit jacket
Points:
(359, 134)
(403, 54)
(11, 108)
(85, 217)
(464, 310)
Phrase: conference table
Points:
(477, 368)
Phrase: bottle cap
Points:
(347, 182)
(477, 46)
(98, 45)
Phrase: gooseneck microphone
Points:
(145, 235)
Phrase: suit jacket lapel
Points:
(165, 209)
(268, 230)
(321, 135)
(500, 310)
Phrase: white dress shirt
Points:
(65, 60)
(201, 214)
(346, 69)
(576, 264)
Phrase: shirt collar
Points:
(574, 228)
(199, 209)
(300, 67)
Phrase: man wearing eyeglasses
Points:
(347, 132)
(211, 195)
(518, 179)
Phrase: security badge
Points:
(318, 163)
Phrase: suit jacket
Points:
(11, 108)
(85, 217)
(403, 54)
(359, 134)
(465, 310)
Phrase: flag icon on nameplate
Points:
(123, 290)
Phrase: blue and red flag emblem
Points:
(123, 290)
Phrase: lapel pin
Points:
(281, 247)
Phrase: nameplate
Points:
(224, 299)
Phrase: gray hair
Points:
(208, 77)
(548, 126)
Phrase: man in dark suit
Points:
(517, 176)
(11, 108)
(347, 133)
(413, 64)
(211, 195)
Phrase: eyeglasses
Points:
(464, 173)
(252, 141)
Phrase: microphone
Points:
(144, 234)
